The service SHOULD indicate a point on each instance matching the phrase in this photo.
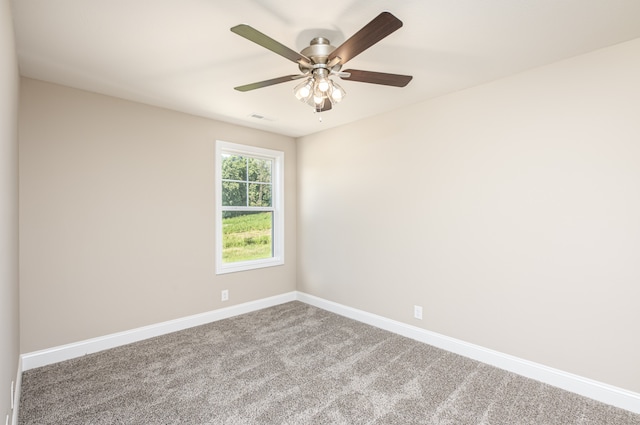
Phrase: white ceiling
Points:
(180, 54)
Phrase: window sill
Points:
(241, 266)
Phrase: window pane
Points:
(234, 194)
(246, 236)
(259, 195)
(234, 167)
(259, 170)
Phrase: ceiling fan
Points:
(321, 60)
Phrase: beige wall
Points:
(9, 319)
(510, 212)
(117, 216)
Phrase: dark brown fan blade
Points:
(267, 42)
(395, 80)
(267, 83)
(381, 26)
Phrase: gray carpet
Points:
(293, 364)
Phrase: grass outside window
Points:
(246, 236)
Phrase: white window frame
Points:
(277, 196)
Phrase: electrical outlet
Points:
(225, 295)
(417, 312)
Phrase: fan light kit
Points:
(320, 61)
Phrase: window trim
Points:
(277, 177)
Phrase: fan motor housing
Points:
(318, 51)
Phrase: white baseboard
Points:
(16, 394)
(93, 345)
(567, 381)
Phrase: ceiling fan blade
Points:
(267, 42)
(267, 83)
(395, 80)
(380, 27)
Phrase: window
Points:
(249, 207)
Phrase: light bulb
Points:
(323, 85)
(322, 81)
(303, 90)
(337, 93)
